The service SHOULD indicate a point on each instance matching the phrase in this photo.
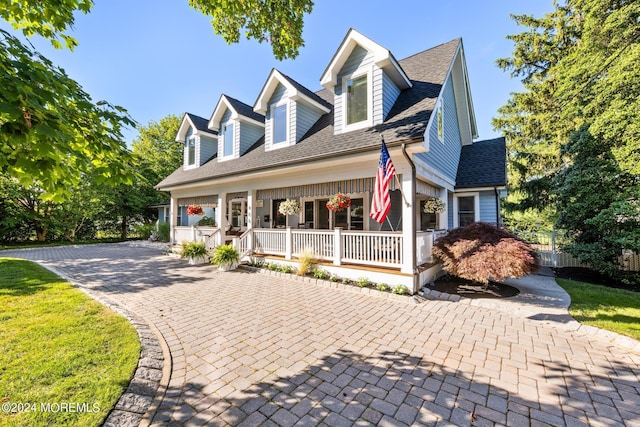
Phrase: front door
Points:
(238, 214)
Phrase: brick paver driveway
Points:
(253, 349)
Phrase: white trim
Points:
(382, 58)
(187, 124)
(270, 86)
(218, 113)
(476, 206)
(478, 189)
(368, 122)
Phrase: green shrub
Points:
(143, 231)
(383, 287)
(363, 282)
(287, 269)
(194, 250)
(207, 221)
(224, 254)
(272, 266)
(346, 281)
(164, 231)
(334, 278)
(401, 290)
(321, 274)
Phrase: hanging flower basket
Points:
(194, 210)
(434, 206)
(289, 207)
(339, 202)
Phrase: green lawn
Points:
(615, 310)
(62, 354)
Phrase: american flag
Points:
(381, 202)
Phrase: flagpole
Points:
(399, 185)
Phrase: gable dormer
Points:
(238, 127)
(365, 79)
(289, 108)
(200, 143)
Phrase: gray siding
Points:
(444, 157)
(208, 148)
(488, 206)
(305, 118)
(249, 134)
(390, 93)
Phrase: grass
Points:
(59, 346)
(616, 310)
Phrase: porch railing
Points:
(211, 236)
(378, 248)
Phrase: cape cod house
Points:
(296, 144)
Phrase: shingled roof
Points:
(200, 123)
(483, 164)
(407, 121)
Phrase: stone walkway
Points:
(253, 349)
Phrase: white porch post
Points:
(408, 226)
(221, 216)
(288, 244)
(251, 215)
(173, 219)
(337, 246)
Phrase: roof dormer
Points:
(200, 143)
(238, 127)
(365, 79)
(290, 110)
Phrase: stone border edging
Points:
(416, 299)
(144, 393)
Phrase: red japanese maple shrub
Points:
(482, 252)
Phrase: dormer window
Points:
(227, 137)
(279, 114)
(356, 100)
(191, 150)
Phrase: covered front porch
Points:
(250, 219)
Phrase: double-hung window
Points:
(279, 117)
(466, 210)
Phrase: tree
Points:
(51, 133)
(578, 66)
(157, 153)
(277, 22)
(50, 129)
(481, 252)
(598, 202)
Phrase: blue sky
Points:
(160, 57)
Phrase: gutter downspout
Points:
(414, 258)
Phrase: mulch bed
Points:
(468, 289)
